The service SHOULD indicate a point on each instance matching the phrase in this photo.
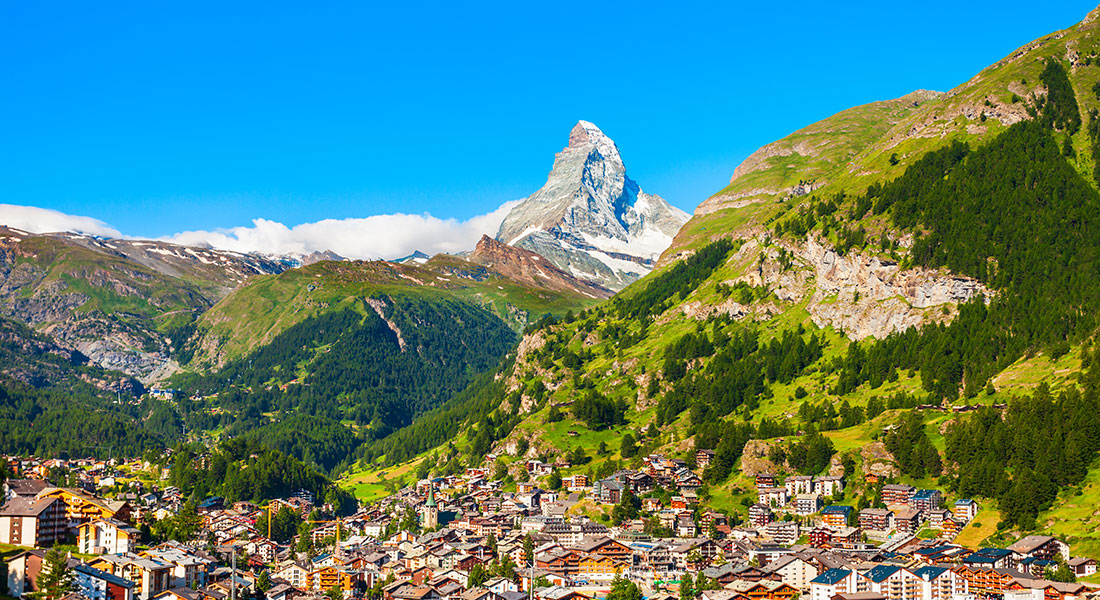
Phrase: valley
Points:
(869, 363)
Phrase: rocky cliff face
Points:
(116, 301)
(590, 219)
(34, 359)
(859, 294)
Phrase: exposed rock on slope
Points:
(115, 301)
(590, 219)
(862, 295)
(527, 267)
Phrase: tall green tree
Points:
(55, 580)
(623, 589)
(687, 588)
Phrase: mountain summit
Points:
(589, 218)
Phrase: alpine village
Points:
(866, 369)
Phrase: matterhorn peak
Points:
(590, 219)
(585, 135)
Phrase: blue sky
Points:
(158, 119)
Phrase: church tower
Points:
(429, 516)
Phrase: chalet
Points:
(283, 591)
(773, 496)
(703, 458)
(150, 576)
(828, 485)
(605, 546)
(846, 537)
(760, 515)
(640, 483)
(575, 483)
(1082, 567)
(332, 576)
(293, 572)
(985, 581)
(688, 481)
(807, 504)
(835, 582)
(685, 526)
(935, 517)
(939, 583)
(23, 570)
(965, 509)
(609, 490)
(995, 558)
(479, 593)
(704, 548)
(907, 521)
(501, 585)
(1040, 546)
(894, 582)
(926, 500)
(794, 570)
(34, 522)
(101, 585)
(762, 590)
(821, 537)
(876, 519)
(27, 488)
(783, 532)
(799, 484)
(836, 515)
(597, 567)
(896, 493)
(107, 536)
(764, 480)
(1049, 590)
(951, 527)
(81, 507)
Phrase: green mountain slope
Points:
(869, 144)
(268, 305)
(934, 251)
(362, 348)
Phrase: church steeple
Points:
(429, 516)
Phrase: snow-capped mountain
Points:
(590, 219)
(416, 258)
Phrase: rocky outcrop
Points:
(379, 305)
(107, 298)
(857, 293)
(527, 267)
(862, 295)
(36, 360)
(590, 219)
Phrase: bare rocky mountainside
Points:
(590, 219)
(122, 303)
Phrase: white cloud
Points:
(378, 236)
(43, 220)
